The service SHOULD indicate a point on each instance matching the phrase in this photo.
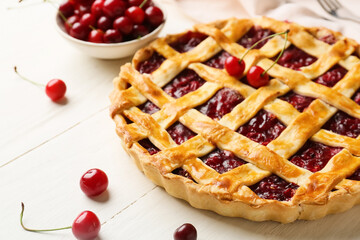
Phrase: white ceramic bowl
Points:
(109, 50)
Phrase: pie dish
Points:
(285, 151)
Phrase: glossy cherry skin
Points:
(112, 36)
(234, 66)
(86, 226)
(154, 16)
(96, 8)
(185, 232)
(139, 2)
(104, 23)
(96, 36)
(123, 24)
(67, 8)
(114, 8)
(255, 77)
(83, 2)
(70, 21)
(88, 20)
(94, 182)
(136, 14)
(82, 9)
(139, 31)
(55, 89)
(79, 31)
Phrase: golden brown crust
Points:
(228, 194)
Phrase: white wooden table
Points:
(46, 147)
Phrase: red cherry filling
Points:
(185, 82)
(221, 103)
(151, 64)
(275, 188)
(182, 172)
(298, 101)
(344, 124)
(356, 97)
(262, 128)
(149, 146)
(255, 34)
(218, 61)
(331, 77)
(313, 156)
(148, 107)
(329, 39)
(295, 58)
(356, 175)
(179, 133)
(222, 160)
(188, 41)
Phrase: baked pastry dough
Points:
(301, 166)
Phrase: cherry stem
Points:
(92, 27)
(143, 3)
(36, 230)
(26, 79)
(261, 40)
(281, 53)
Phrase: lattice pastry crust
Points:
(319, 193)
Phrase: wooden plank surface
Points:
(46, 147)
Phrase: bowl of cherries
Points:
(109, 29)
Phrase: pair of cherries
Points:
(257, 76)
(86, 226)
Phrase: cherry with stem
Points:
(235, 66)
(257, 76)
(85, 226)
(55, 89)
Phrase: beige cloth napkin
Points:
(304, 12)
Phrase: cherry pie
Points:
(285, 151)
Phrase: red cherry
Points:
(139, 31)
(234, 67)
(82, 9)
(185, 232)
(67, 8)
(114, 8)
(55, 89)
(255, 77)
(154, 16)
(79, 31)
(94, 182)
(104, 23)
(136, 14)
(86, 226)
(112, 36)
(123, 24)
(96, 8)
(83, 2)
(88, 20)
(139, 2)
(96, 36)
(70, 21)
